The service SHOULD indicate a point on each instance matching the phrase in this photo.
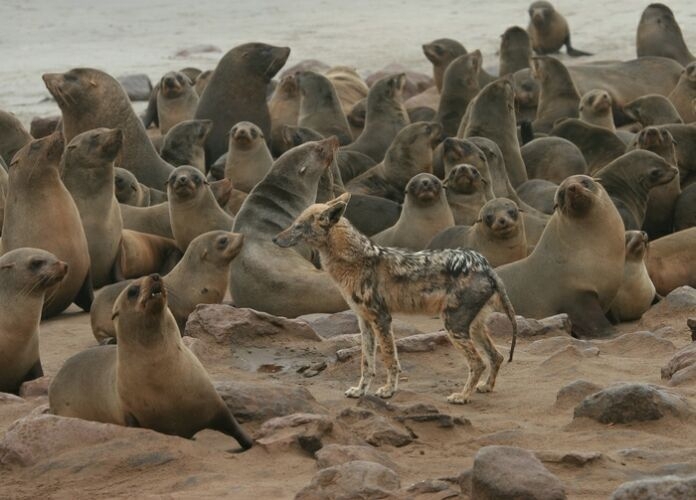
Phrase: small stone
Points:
(500, 327)
(35, 388)
(574, 458)
(571, 394)
(428, 486)
(424, 342)
(337, 454)
(554, 344)
(680, 301)
(6, 397)
(304, 430)
(662, 488)
(683, 359)
(138, 86)
(638, 344)
(356, 479)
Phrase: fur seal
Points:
(548, 30)
(539, 193)
(671, 261)
(13, 136)
(599, 146)
(150, 379)
(320, 108)
(202, 81)
(637, 292)
(652, 109)
(248, 157)
(350, 88)
(193, 209)
(563, 273)
(684, 94)
(25, 276)
(89, 99)
(143, 253)
(184, 143)
(542, 158)
(237, 92)
(130, 192)
(200, 277)
(356, 117)
(153, 219)
(264, 276)
(558, 96)
(526, 95)
(629, 179)
(4, 183)
(88, 174)
(441, 53)
(685, 148)
(385, 117)
(493, 116)
(659, 34)
(460, 86)
(515, 50)
(595, 109)
(424, 214)
(411, 153)
(685, 209)
(177, 100)
(498, 234)
(284, 108)
(41, 213)
(466, 192)
(372, 214)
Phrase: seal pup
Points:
(193, 209)
(129, 191)
(265, 277)
(637, 292)
(541, 158)
(685, 148)
(88, 174)
(558, 96)
(595, 108)
(441, 53)
(467, 192)
(685, 209)
(671, 261)
(460, 86)
(515, 50)
(376, 281)
(13, 136)
(89, 99)
(684, 94)
(184, 143)
(41, 213)
(143, 254)
(599, 145)
(150, 379)
(385, 117)
(563, 273)
(284, 108)
(548, 30)
(411, 153)
(237, 92)
(25, 276)
(424, 214)
(497, 234)
(659, 34)
(153, 219)
(350, 87)
(629, 180)
(177, 100)
(200, 277)
(248, 157)
(652, 109)
(540, 194)
(320, 108)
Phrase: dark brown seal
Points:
(659, 34)
(184, 144)
(515, 50)
(320, 108)
(558, 96)
(460, 86)
(553, 159)
(652, 109)
(549, 30)
(13, 136)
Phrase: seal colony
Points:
(314, 191)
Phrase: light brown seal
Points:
(466, 192)
(248, 157)
(25, 276)
(284, 108)
(558, 96)
(154, 219)
(595, 109)
(200, 277)
(150, 379)
(553, 159)
(549, 30)
(515, 50)
(540, 194)
(350, 88)
(193, 210)
(659, 34)
(652, 109)
(184, 144)
(320, 108)
(424, 214)
(177, 100)
(563, 273)
(637, 292)
(89, 99)
(236, 92)
(671, 262)
(41, 213)
(143, 253)
(684, 94)
(13, 136)
(498, 233)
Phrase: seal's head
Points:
(424, 189)
(576, 195)
(185, 183)
(540, 14)
(501, 217)
(101, 144)
(30, 271)
(598, 100)
(174, 84)
(464, 179)
(245, 136)
(443, 50)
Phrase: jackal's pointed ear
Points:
(333, 213)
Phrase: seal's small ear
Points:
(114, 315)
(555, 206)
(7, 266)
(519, 209)
(483, 179)
(478, 221)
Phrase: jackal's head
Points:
(313, 225)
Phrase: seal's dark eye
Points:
(438, 50)
(428, 129)
(586, 183)
(223, 241)
(512, 213)
(489, 219)
(69, 77)
(36, 264)
(133, 292)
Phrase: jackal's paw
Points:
(355, 392)
(458, 398)
(385, 392)
(484, 387)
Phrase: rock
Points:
(357, 480)
(429, 486)
(375, 429)
(500, 327)
(260, 401)
(623, 403)
(337, 454)
(680, 301)
(555, 344)
(571, 394)
(346, 323)
(504, 472)
(682, 364)
(43, 126)
(138, 86)
(685, 376)
(303, 430)
(306, 65)
(566, 357)
(225, 324)
(425, 342)
(662, 488)
(196, 346)
(638, 344)
(574, 458)
(197, 49)
(36, 387)
(6, 397)
(312, 370)
(428, 413)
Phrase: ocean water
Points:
(136, 36)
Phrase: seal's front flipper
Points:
(85, 296)
(588, 318)
(227, 424)
(34, 372)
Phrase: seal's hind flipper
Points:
(574, 52)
